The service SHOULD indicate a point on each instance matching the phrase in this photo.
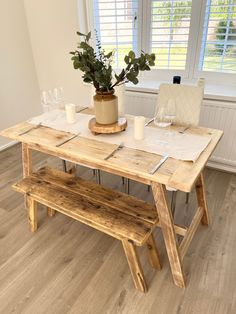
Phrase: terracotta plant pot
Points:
(106, 107)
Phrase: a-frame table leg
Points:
(200, 190)
(167, 226)
(30, 204)
(26, 160)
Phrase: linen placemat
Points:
(161, 141)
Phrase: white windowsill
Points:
(212, 91)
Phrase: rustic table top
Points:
(131, 163)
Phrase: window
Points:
(170, 24)
(218, 51)
(190, 37)
(116, 26)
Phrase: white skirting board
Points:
(214, 114)
(8, 145)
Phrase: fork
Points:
(82, 109)
(30, 129)
(114, 151)
(149, 121)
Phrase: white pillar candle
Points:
(70, 113)
(139, 124)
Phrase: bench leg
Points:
(200, 190)
(50, 212)
(153, 255)
(32, 214)
(134, 265)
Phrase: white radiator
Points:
(214, 114)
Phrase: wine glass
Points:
(45, 101)
(58, 95)
(165, 114)
(170, 112)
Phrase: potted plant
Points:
(97, 69)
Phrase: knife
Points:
(30, 129)
(67, 140)
(115, 150)
(161, 162)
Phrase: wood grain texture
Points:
(26, 160)
(32, 213)
(191, 231)
(60, 269)
(167, 227)
(134, 265)
(50, 212)
(130, 163)
(125, 203)
(153, 254)
(200, 190)
(97, 128)
(68, 200)
(27, 167)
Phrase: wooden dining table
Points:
(132, 164)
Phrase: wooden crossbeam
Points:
(180, 230)
(190, 232)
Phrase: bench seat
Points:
(117, 214)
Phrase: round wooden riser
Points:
(97, 128)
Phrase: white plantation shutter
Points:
(218, 50)
(170, 25)
(116, 23)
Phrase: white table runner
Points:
(160, 141)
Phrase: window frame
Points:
(212, 76)
(191, 72)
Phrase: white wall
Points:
(19, 91)
(52, 25)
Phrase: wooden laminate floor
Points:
(67, 267)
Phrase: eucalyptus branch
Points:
(97, 66)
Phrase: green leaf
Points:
(80, 34)
(84, 45)
(126, 59)
(76, 64)
(135, 81)
(109, 55)
(130, 77)
(131, 54)
(153, 56)
(87, 80)
(88, 36)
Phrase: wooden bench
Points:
(119, 215)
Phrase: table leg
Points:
(26, 160)
(50, 212)
(30, 204)
(167, 226)
(200, 190)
